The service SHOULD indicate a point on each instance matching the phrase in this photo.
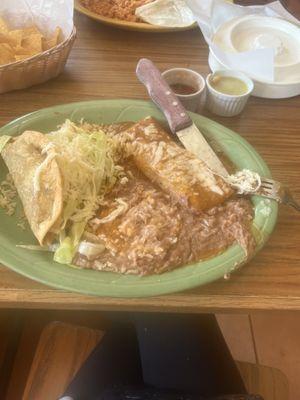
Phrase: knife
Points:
(178, 119)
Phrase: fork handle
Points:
(293, 203)
(289, 200)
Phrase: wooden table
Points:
(102, 65)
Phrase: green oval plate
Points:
(39, 265)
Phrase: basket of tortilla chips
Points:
(34, 43)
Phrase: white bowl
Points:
(227, 105)
(253, 32)
(185, 76)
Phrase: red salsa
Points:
(183, 89)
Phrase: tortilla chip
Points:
(33, 43)
(20, 57)
(20, 50)
(6, 54)
(19, 44)
(13, 38)
(22, 53)
(3, 25)
(54, 41)
(3, 37)
(31, 30)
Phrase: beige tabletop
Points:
(102, 66)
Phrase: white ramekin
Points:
(194, 101)
(266, 90)
(227, 105)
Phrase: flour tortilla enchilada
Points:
(172, 167)
(42, 201)
(61, 178)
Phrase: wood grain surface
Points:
(269, 382)
(102, 65)
(61, 351)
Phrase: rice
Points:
(117, 9)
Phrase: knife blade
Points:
(178, 119)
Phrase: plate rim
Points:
(128, 25)
(156, 287)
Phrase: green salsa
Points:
(228, 85)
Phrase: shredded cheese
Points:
(86, 163)
(122, 207)
(245, 181)
(90, 250)
(8, 194)
(86, 159)
(40, 169)
(4, 139)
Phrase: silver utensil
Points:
(277, 191)
(178, 119)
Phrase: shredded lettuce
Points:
(34, 247)
(4, 139)
(86, 162)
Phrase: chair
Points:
(63, 348)
(270, 383)
(61, 351)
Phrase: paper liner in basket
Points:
(47, 15)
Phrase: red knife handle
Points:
(162, 95)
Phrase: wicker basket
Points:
(37, 69)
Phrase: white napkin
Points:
(46, 14)
(211, 14)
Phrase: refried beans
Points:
(154, 234)
(117, 9)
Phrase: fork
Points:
(275, 190)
